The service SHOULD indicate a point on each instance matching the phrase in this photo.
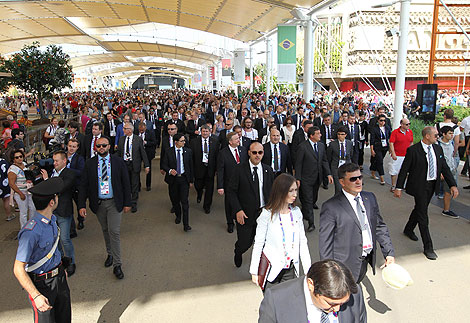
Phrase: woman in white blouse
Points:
(280, 235)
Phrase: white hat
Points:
(396, 276)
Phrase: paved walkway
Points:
(172, 276)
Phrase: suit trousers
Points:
(79, 217)
(360, 154)
(363, 271)
(148, 177)
(111, 148)
(228, 209)
(334, 173)
(355, 153)
(378, 163)
(135, 183)
(110, 221)
(179, 195)
(57, 291)
(245, 236)
(308, 197)
(419, 215)
(206, 183)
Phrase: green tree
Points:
(39, 72)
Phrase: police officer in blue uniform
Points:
(38, 265)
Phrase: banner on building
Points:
(286, 53)
(226, 67)
(211, 73)
(239, 66)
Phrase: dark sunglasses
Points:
(18, 157)
(355, 178)
(101, 145)
(254, 152)
(406, 124)
(171, 128)
(382, 120)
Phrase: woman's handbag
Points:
(263, 270)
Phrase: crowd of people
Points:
(260, 154)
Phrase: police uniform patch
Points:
(30, 225)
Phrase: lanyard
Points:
(284, 234)
(100, 174)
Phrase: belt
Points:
(179, 175)
(112, 198)
(50, 274)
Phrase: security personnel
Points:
(38, 266)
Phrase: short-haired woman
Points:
(280, 235)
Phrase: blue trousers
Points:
(65, 243)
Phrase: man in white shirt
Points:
(316, 298)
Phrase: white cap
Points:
(396, 276)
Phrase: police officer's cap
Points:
(48, 187)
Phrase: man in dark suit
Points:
(424, 165)
(244, 141)
(311, 164)
(89, 150)
(64, 210)
(76, 163)
(339, 152)
(167, 143)
(331, 300)
(249, 191)
(363, 137)
(108, 199)
(228, 159)
(223, 133)
(298, 118)
(353, 135)
(205, 149)
(299, 136)
(131, 149)
(351, 226)
(262, 123)
(178, 166)
(277, 155)
(174, 120)
(156, 120)
(193, 125)
(150, 143)
(110, 128)
(142, 119)
(226, 110)
(328, 131)
(74, 133)
(279, 117)
(343, 121)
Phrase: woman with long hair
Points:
(280, 235)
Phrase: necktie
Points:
(256, 183)
(360, 214)
(104, 171)
(237, 157)
(178, 161)
(430, 163)
(328, 134)
(342, 152)
(324, 318)
(276, 159)
(205, 146)
(93, 147)
(315, 149)
(128, 154)
(352, 132)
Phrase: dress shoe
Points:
(311, 227)
(430, 254)
(73, 234)
(134, 209)
(198, 200)
(109, 261)
(178, 220)
(148, 189)
(230, 228)
(71, 270)
(315, 206)
(80, 225)
(411, 235)
(237, 259)
(207, 210)
(466, 187)
(118, 272)
(172, 210)
(187, 228)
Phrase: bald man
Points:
(400, 139)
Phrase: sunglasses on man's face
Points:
(254, 152)
(18, 157)
(101, 145)
(382, 120)
(355, 178)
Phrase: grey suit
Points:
(285, 303)
(333, 154)
(341, 237)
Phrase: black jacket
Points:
(226, 164)
(199, 167)
(309, 167)
(65, 207)
(138, 152)
(286, 161)
(169, 162)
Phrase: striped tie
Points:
(430, 163)
(324, 318)
(104, 171)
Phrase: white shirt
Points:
(313, 312)
(253, 134)
(205, 157)
(465, 125)
(112, 128)
(93, 142)
(260, 176)
(278, 156)
(182, 162)
(233, 152)
(56, 173)
(128, 139)
(429, 176)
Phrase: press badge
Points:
(384, 142)
(205, 157)
(341, 162)
(328, 142)
(104, 188)
(366, 240)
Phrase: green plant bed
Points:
(459, 112)
(417, 125)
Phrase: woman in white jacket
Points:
(280, 235)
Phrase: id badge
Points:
(341, 162)
(384, 142)
(366, 240)
(328, 142)
(104, 188)
(205, 157)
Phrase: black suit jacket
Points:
(279, 120)
(150, 144)
(86, 152)
(341, 235)
(226, 165)
(199, 167)
(77, 163)
(165, 147)
(375, 136)
(333, 152)
(138, 152)
(242, 193)
(356, 133)
(310, 168)
(191, 128)
(179, 124)
(415, 166)
(323, 133)
(65, 207)
(81, 139)
(286, 161)
(364, 130)
(295, 119)
(297, 138)
(119, 180)
(259, 124)
(169, 162)
(107, 128)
